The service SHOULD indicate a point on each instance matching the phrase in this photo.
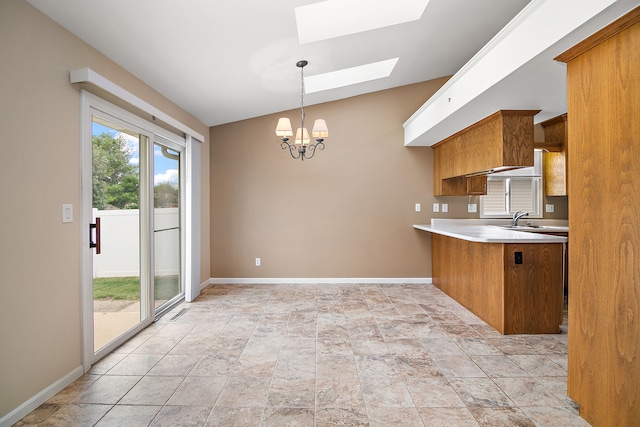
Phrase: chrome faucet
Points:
(517, 216)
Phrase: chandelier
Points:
(302, 147)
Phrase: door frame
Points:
(89, 104)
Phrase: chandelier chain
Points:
(302, 93)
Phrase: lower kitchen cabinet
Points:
(515, 287)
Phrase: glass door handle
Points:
(95, 244)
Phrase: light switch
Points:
(418, 207)
(436, 207)
(67, 213)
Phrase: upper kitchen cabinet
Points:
(603, 82)
(501, 141)
(555, 155)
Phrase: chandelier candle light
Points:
(302, 142)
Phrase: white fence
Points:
(120, 247)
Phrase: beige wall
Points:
(345, 213)
(458, 207)
(40, 318)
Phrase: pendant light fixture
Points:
(302, 147)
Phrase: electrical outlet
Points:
(518, 258)
(445, 207)
(418, 207)
(436, 207)
(549, 207)
(257, 262)
(472, 207)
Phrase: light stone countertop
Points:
(490, 231)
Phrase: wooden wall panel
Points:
(604, 205)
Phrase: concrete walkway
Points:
(112, 320)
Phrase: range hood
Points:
(493, 171)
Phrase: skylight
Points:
(336, 18)
(349, 76)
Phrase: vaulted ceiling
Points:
(228, 60)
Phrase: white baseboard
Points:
(205, 284)
(37, 400)
(328, 280)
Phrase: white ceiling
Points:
(224, 61)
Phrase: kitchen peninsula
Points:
(513, 280)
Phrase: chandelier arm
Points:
(311, 148)
(292, 148)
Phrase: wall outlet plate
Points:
(549, 207)
(445, 207)
(67, 213)
(436, 207)
(418, 207)
(258, 262)
(472, 207)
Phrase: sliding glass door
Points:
(120, 279)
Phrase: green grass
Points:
(128, 288)
(123, 288)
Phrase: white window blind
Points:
(495, 202)
(522, 193)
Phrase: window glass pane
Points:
(118, 290)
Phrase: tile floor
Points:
(322, 355)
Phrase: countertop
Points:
(492, 231)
